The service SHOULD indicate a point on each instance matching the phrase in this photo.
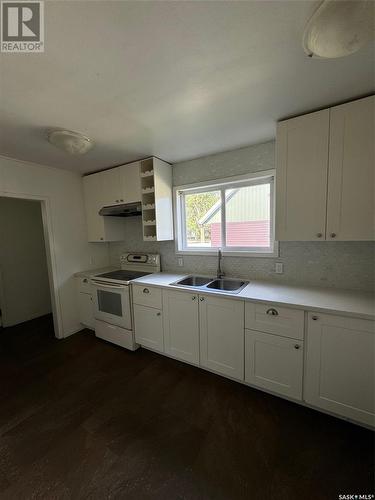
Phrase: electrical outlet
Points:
(180, 261)
(279, 268)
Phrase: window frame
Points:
(256, 178)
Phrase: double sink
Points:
(225, 285)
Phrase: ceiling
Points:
(175, 79)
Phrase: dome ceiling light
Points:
(339, 28)
(71, 142)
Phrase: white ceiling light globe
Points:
(339, 28)
(72, 142)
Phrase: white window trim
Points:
(237, 181)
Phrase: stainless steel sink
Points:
(227, 285)
(193, 281)
(224, 285)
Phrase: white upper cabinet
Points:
(339, 371)
(325, 174)
(111, 187)
(130, 183)
(99, 228)
(301, 177)
(181, 325)
(222, 335)
(350, 212)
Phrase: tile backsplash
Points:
(331, 264)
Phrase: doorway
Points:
(25, 281)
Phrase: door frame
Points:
(49, 241)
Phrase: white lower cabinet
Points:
(86, 311)
(274, 363)
(181, 325)
(85, 303)
(222, 335)
(149, 327)
(340, 364)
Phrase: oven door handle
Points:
(101, 284)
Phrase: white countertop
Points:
(330, 300)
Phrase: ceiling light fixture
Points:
(339, 28)
(69, 141)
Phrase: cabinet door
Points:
(274, 363)
(130, 183)
(222, 335)
(110, 186)
(351, 194)
(340, 364)
(301, 177)
(99, 228)
(181, 325)
(149, 327)
(95, 223)
(86, 312)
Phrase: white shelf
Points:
(149, 173)
(149, 238)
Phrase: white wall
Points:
(23, 262)
(62, 195)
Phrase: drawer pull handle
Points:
(158, 314)
(193, 297)
(85, 280)
(297, 346)
(201, 299)
(314, 318)
(146, 290)
(272, 312)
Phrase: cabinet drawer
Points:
(84, 285)
(145, 295)
(269, 318)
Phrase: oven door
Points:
(112, 303)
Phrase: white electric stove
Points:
(113, 309)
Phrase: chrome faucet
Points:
(220, 273)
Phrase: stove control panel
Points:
(141, 261)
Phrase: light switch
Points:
(180, 261)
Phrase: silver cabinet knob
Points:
(314, 318)
(121, 200)
(272, 312)
(319, 235)
(117, 201)
(297, 346)
(85, 280)
(101, 238)
(158, 314)
(333, 235)
(193, 297)
(146, 290)
(201, 299)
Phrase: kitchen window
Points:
(234, 214)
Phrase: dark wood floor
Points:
(81, 418)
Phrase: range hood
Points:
(124, 210)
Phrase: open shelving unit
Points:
(156, 189)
